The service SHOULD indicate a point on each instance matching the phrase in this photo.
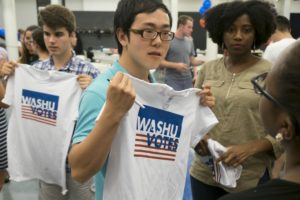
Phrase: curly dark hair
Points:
(218, 19)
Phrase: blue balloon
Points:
(202, 10)
(2, 32)
(205, 6)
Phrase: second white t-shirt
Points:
(44, 107)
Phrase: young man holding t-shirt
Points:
(142, 31)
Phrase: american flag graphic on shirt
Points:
(157, 134)
(39, 107)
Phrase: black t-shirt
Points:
(275, 189)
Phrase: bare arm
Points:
(87, 157)
(195, 61)
(174, 65)
(278, 166)
(2, 93)
(237, 154)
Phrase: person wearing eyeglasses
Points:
(175, 68)
(142, 31)
(279, 110)
(239, 27)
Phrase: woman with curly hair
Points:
(238, 27)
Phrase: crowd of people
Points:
(132, 139)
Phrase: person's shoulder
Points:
(101, 82)
(263, 64)
(216, 63)
(82, 62)
(85, 66)
(39, 64)
(285, 41)
(271, 46)
(279, 45)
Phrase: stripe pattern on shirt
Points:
(3, 135)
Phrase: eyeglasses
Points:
(258, 83)
(151, 34)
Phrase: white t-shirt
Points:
(148, 158)
(274, 50)
(44, 107)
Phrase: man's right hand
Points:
(120, 94)
(8, 68)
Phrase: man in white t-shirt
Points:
(281, 39)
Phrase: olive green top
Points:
(237, 109)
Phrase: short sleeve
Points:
(200, 78)
(89, 108)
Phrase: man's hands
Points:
(182, 67)
(120, 94)
(8, 68)
(84, 80)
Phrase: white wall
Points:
(74, 4)
(295, 7)
(1, 14)
(110, 5)
(27, 14)
(100, 5)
